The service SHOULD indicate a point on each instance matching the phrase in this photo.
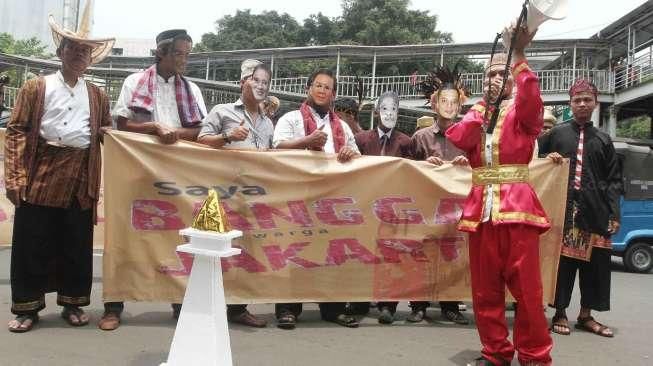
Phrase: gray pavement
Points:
(146, 333)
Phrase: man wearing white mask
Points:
(242, 124)
(385, 140)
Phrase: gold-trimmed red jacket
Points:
(513, 141)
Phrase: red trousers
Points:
(501, 255)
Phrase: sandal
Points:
(287, 321)
(556, 322)
(21, 319)
(586, 325)
(73, 312)
(346, 321)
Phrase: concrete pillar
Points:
(612, 121)
(596, 115)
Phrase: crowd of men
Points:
(52, 168)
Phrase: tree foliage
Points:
(362, 22)
(635, 128)
(22, 47)
(245, 30)
(388, 22)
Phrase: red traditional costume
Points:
(503, 246)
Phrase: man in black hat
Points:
(158, 101)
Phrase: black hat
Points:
(170, 35)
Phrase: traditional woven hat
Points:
(101, 47)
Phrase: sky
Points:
(469, 21)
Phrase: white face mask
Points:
(388, 113)
(260, 85)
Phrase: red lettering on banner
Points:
(326, 212)
(155, 215)
(243, 260)
(3, 215)
(236, 220)
(450, 248)
(265, 214)
(449, 210)
(384, 211)
(186, 260)
(336, 253)
(391, 249)
(279, 258)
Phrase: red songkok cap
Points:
(582, 86)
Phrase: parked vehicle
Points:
(634, 241)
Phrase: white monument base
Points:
(202, 334)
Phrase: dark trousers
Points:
(52, 250)
(328, 310)
(594, 281)
(235, 310)
(392, 305)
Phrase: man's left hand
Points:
(460, 160)
(346, 154)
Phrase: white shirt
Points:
(66, 112)
(487, 209)
(291, 126)
(165, 100)
(381, 133)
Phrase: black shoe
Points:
(454, 316)
(287, 321)
(386, 316)
(416, 316)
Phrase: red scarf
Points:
(143, 98)
(336, 128)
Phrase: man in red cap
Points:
(503, 215)
(592, 214)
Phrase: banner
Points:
(376, 228)
(7, 208)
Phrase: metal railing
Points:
(551, 81)
(407, 86)
(635, 73)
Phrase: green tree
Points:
(388, 22)
(363, 22)
(31, 47)
(321, 30)
(635, 128)
(245, 30)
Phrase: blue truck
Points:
(634, 241)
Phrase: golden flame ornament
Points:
(211, 216)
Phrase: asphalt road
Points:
(147, 330)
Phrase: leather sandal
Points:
(586, 325)
(109, 321)
(21, 319)
(70, 311)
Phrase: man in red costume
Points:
(503, 215)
